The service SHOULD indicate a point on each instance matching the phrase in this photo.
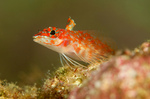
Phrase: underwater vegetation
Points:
(125, 75)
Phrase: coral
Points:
(126, 76)
(63, 81)
(11, 90)
(123, 76)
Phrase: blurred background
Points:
(127, 22)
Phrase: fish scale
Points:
(78, 45)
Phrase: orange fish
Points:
(78, 45)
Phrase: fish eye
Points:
(52, 32)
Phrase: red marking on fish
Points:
(78, 45)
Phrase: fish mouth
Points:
(34, 37)
(37, 37)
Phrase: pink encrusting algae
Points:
(78, 45)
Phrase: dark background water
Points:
(127, 22)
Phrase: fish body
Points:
(78, 45)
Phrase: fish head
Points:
(50, 37)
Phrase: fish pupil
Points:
(52, 32)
